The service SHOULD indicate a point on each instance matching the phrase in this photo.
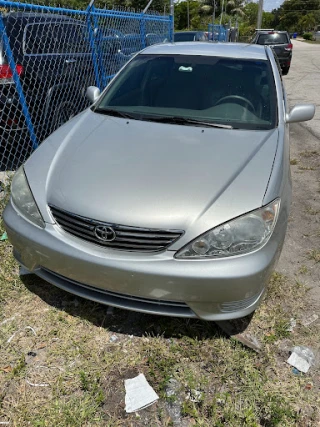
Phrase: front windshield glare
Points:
(227, 91)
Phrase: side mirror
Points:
(301, 113)
(92, 94)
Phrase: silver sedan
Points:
(171, 193)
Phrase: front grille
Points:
(126, 238)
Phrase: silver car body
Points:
(157, 176)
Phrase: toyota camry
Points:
(171, 193)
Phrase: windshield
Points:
(273, 38)
(226, 91)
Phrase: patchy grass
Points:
(303, 269)
(314, 255)
(293, 162)
(311, 41)
(311, 211)
(308, 153)
(306, 168)
(67, 371)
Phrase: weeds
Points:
(306, 168)
(303, 269)
(308, 153)
(219, 381)
(314, 255)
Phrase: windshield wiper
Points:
(114, 113)
(185, 121)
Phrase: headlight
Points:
(239, 236)
(23, 199)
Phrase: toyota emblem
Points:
(105, 233)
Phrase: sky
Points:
(269, 5)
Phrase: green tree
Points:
(251, 13)
(307, 22)
(235, 7)
(289, 14)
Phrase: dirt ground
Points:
(63, 360)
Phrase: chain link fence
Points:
(50, 55)
(218, 33)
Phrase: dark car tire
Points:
(285, 70)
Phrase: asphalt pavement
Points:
(300, 258)
(303, 81)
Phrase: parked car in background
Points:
(152, 38)
(190, 36)
(184, 203)
(54, 61)
(281, 44)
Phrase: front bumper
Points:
(151, 283)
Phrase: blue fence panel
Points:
(218, 33)
(50, 56)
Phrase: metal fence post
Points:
(97, 45)
(142, 31)
(171, 23)
(92, 46)
(16, 79)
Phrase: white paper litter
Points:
(309, 320)
(139, 394)
(298, 362)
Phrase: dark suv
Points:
(281, 44)
(53, 58)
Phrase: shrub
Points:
(308, 36)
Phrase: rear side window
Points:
(201, 37)
(184, 37)
(273, 38)
(55, 37)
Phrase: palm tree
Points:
(307, 22)
(235, 7)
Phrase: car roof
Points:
(227, 50)
(271, 31)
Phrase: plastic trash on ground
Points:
(4, 236)
(139, 394)
(301, 358)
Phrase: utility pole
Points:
(260, 10)
(221, 13)
(188, 14)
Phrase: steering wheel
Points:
(237, 98)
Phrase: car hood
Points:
(146, 174)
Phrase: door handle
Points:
(70, 61)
